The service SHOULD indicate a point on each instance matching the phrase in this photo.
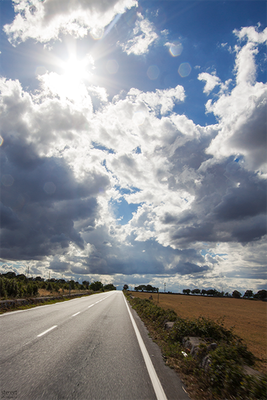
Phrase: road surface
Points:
(94, 347)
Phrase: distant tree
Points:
(211, 292)
(149, 288)
(22, 277)
(39, 279)
(236, 294)
(248, 293)
(86, 284)
(72, 284)
(10, 275)
(125, 287)
(186, 291)
(195, 291)
(29, 289)
(140, 287)
(261, 294)
(96, 286)
(3, 292)
(110, 286)
(49, 286)
(35, 289)
(203, 292)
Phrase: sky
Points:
(133, 142)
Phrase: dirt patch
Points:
(247, 317)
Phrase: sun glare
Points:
(72, 82)
(78, 70)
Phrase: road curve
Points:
(93, 348)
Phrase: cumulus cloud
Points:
(211, 81)
(47, 20)
(144, 36)
(242, 112)
(64, 164)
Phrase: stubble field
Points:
(247, 317)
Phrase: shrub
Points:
(201, 327)
(3, 292)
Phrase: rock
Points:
(168, 325)
(211, 346)
(205, 363)
(250, 371)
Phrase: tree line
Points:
(261, 294)
(12, 285)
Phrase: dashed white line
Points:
(74, 315)
(48, 330)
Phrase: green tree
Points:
(86, 285)
(3, 292)
(49, 286)
(110, 286)
(248, 294)
(195, 291)
(125, 287)
(261, 294)
(29, 289)
(186, 291)
(96, 286)
(236, 294)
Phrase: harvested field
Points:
(247, 317)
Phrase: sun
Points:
(77, 70)
(75, 77)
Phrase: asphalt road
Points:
(93, 347)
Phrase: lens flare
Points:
(153, 72)
(7, 180)
(176, 49)
(184, 70)
(49, 188)
(1, 141)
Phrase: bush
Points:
(201, 327)
(226, 373)
(3, 292)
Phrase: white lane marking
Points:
(48, 330)
(160, 394)
(74, 315)
(90, 306)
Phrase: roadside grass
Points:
(247, 318)
(225, 377)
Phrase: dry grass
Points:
(247, 317)
(47, 293)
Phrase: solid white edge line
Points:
(48, 330)
(160, 394)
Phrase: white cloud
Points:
(193, 186)
(211, 81)
(242, 112)
(143, 37)
(46, 21)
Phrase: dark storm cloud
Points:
(41, 202)
(247, 200)
(147, 257)
(229, 205)
(191, 269)
(59, 266)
